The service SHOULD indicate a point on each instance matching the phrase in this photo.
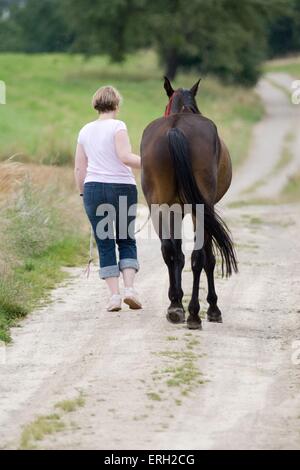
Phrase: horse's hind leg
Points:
(174, 259)
(213, 312)
(171, 248)
(198, 261)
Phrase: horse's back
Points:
(194, 126)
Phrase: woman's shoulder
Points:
(119, 125)
(87, 126)
(85, 132)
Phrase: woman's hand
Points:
(123, 149)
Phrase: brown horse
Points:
(184, 161)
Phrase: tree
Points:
(113, 27)
(224, 37)
(5, 5)
(33, 26)
(10, 34)
(228, 38)
(284, 33)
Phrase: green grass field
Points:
(289, 65)
(49, 96)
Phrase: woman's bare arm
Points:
(123, 149)
(81, 163)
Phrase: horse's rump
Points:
(157, 164)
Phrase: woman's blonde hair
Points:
(106, 98)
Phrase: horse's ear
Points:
(168, 87)
(194, 88)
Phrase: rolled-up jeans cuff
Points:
(129, 263)
(109, 271)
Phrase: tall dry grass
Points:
(11, 174)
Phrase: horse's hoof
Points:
(214, 315)
(176, 315)
(194, 323)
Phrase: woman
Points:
(104, 177)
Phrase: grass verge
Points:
(39, 429)
(31, 282)
(44, 426)
(36, 240)
(68, 406)
(180, 373)
(291, 192)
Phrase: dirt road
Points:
(145, 383)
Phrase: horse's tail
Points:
(189, 193)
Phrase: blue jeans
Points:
(107, 206)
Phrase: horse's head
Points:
(181, 100)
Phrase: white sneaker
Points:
(131, 298)
(114, 304)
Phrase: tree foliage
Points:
(113, 27)
(224, 37)
(33, 26)
(284, 32)
(229, 38)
